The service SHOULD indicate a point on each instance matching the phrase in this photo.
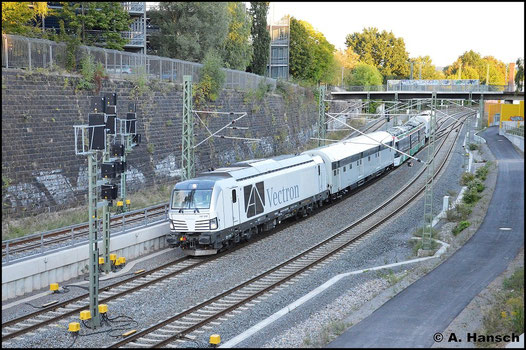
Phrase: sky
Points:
(441, 30)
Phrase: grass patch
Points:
(391, 277)
(506, 316)
(50, 221)
(473, 147)
(461, 226)
(459, 213)
(417, 245)
(327, 334)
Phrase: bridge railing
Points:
(441, 88)
(32, 53)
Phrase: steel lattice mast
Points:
(427, 231)
(188, 130)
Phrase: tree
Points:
(212, 78)
(17, 16)
(237, 50)
(99, 23)
(260, 37)
(345, 60)
(382, 50)
(311, 55)
(365, 75)
(188, 30)
(519, 77)
(470, 65)
(425, 65)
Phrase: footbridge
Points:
(445, 95)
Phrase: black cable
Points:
(75, 336)
(36, 307)
(73, 285)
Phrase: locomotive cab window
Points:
(191, 199)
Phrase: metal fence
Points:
(31, 53)
(513, 128)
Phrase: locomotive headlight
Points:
(213, 224)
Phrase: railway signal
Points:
(90, 139)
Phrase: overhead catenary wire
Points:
(376, 142)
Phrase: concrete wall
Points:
(41, 172)
(36, 273)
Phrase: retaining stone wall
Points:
(41, 172)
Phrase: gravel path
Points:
(389, 245)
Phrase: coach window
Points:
(335, 172)
(344, 169)
(234, 199)
(350, 166)
(369, 158)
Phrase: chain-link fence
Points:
(31, 53)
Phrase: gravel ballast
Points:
(388, 245)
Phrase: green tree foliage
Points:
(470, 65)
(364, 75)
(99, 23)
(237, 50)
(382, 50)
(17, 17)
(260, 37)
(519, 77)
(188, 30)
(425, 64)
(212, 78)
(311, 55)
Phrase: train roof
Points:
(355, 145)
(254, 167)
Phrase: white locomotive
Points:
(219, 208)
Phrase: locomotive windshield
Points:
(191, 199)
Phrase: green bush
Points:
(476, 185)
(460, 212)
(471, 196)
(473, 146)
(460, 227)
(212, 78)
(482, 172)
(507, 313)
(466, 178)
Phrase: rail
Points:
(71, 235)
(181, 325)
(142, 280)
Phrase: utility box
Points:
(117, 150)
(111, 120)
(110, 99)
(96, 131)
(108, 192)
(109, 170)
(136, 139)
(111, 109)
(97, 104)
(131, 118)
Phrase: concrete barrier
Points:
(516, 140)
(58, 266)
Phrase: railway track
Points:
(183, 325)
(39, 242)
(72, 307)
